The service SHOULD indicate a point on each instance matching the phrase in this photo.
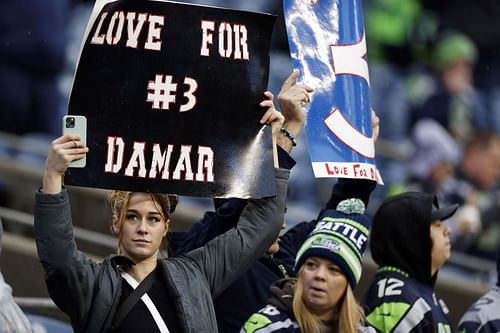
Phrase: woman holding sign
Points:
(138, 290)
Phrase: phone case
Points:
(74, 124)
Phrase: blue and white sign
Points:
(327, 45)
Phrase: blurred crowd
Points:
(435, 87)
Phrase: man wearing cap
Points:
(484, 315)
(409, 242)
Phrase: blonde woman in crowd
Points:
(328, 266)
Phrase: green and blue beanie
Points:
(341, 236)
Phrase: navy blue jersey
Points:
(396, 302)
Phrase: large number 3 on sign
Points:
(350, 60)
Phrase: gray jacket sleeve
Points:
(70, 275)
(227, 257)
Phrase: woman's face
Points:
(323, 285)
(142, 229)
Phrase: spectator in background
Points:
(329, 266)
(456, 104)
(478, 21)
(435, 156)
(12, 318)
(432, 168)
(409, 242)
(481, 161)
(484, 316)
(32, 53)
(480, 168)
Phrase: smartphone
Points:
(76, 125)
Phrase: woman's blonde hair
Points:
(351, 316)
(118, 202)
(349, 313)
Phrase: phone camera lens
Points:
(70, 122)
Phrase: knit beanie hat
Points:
(454, 47)
(340, 236)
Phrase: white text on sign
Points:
(162, 92)
(231, 39)
(162, 165)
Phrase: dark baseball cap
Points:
(442, 213)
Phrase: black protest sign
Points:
(171, 93)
